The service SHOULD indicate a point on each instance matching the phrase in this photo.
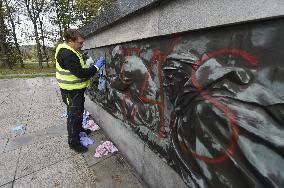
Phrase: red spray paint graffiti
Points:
(160, 58)
(130, 51)
(230, 150)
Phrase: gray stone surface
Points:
(201, 14)
(43, 154)
(7, 76)
(40, 120)
(183, 15)
(8, 123)
(8, 165)
(69, 172)
(152, 162)
(30, 102)
(127, 142)
(3, 143)
(98, 138)
(15, 111)
(142, 26)
(39, 156)
(111, 170)
(15, 98)
(47, 94)
(8, 185)
(152, 169)
(13, 84)
(41, 135)
(118, 10)
(115, 173)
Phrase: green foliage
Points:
(87, 10)
(13, 55)
(63, 14)
(30, 68)
(70, 13)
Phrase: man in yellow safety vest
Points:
(73, 77)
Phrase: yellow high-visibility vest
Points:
(66, 80)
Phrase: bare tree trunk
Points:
(34, 8)
(59, 20)
(43, 44)
(3, 52)
(18, 47)
(3, 45)
(14, 34)
(39, 53)
(61, 32)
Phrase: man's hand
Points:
(90, 62)
(100, 62)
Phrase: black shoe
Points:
(88, 131)
(79, 148)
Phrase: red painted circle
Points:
(230, 150)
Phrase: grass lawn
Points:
(30, 68)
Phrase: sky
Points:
(24, 30)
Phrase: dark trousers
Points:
(74, 100)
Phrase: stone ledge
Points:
(117, 11)
(171, 17)
(152, 169)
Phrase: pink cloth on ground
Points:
(105, 148)
(91, 125)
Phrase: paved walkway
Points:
(39, 156)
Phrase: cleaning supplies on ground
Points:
(86, 116)
(19, 128)
(64, 115)
(84, 122)
(87, 113)
(91, 125)
(85, 140)
(105, 148)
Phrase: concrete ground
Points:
(39, 156)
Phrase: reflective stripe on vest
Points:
(71, 82)
(63, 73)
(66, 80)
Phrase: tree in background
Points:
(45, 35)
(87, 10)
(3, 38)
(65, 15)
(10, 10)
(43, 21)
(76, 13)
(34, 9)
(9, 54)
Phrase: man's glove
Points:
(100, 62)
